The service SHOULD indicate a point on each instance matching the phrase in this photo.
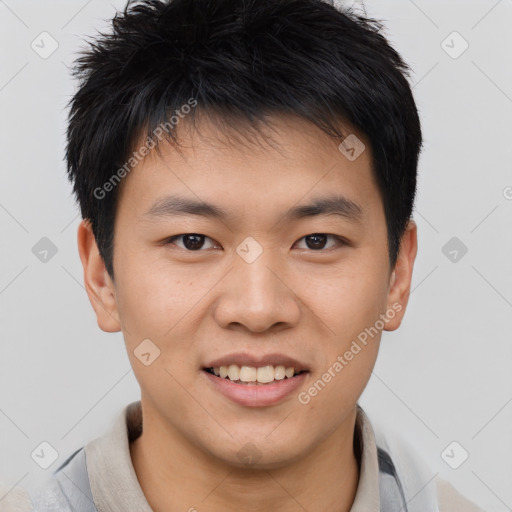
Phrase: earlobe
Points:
(98, 285)
(400, 281)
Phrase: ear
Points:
(400, 279)
(98, 285)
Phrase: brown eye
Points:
(318, 241)
(190, 241)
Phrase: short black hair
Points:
(238, 60)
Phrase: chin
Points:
(260, 453)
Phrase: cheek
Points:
(349, 303)
(151, 296)
(350, 298)
(348, 357)
(159, 303)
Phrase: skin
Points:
(199, 305)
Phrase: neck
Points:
(176, 475)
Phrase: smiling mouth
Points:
(254, 376)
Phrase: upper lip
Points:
(245, 359)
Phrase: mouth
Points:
(255, 375)
(261, 385)
(256, 380)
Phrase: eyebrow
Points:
(176, 205)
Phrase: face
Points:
(251, 277)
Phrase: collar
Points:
(114, 484)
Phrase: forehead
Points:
(230, 170)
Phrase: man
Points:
(246, 172)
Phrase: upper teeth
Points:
(262, 374)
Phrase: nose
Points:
(257, 296)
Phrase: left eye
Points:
(317, 241)
(195, 242)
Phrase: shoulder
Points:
(413, 473)
(50, 498)
(14, 499)
(67, 489)
(450, 500)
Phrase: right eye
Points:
(191, 241)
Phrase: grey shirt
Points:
(100, 476)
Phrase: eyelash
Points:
(340, 241)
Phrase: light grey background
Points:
(444, 376)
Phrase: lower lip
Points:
(257, 395)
